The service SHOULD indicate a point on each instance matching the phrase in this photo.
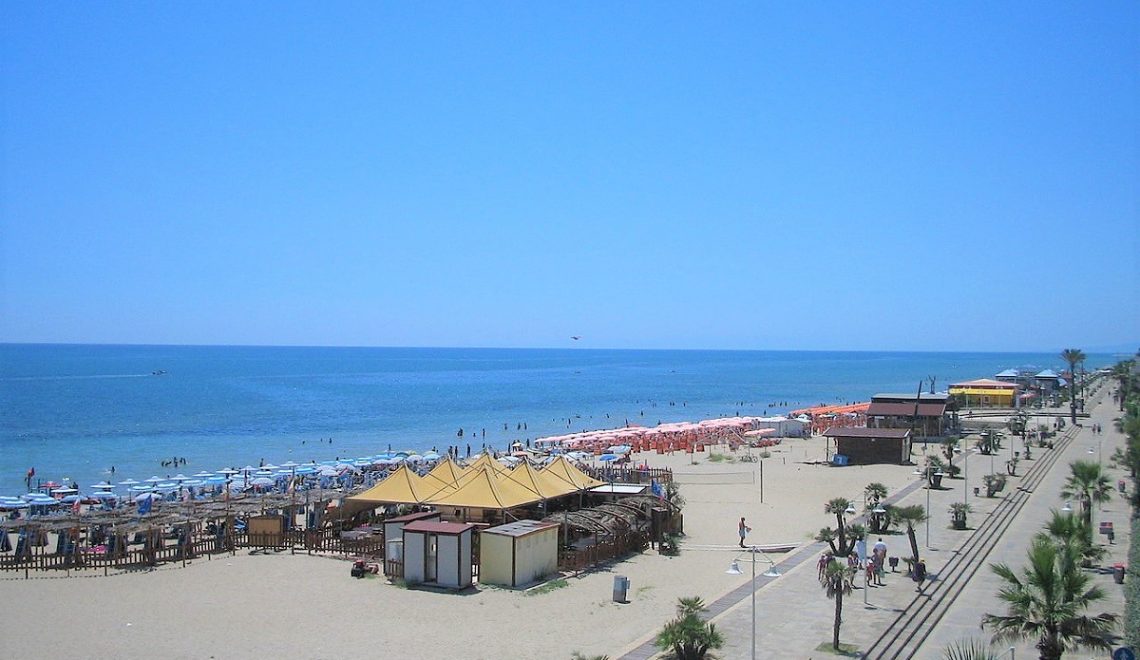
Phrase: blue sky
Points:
(914, 176)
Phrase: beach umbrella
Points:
(203, 474)
(431, 456)
(143, 488)
(290, 465)
(64, 491)
(228, 471)
(247, 469)
(414, 458)
(153, 480)
(269, 467)
(104, 485)
(180, 477)
(104, 495)
(328, 471)
(606, 458)
(148, 496)
(263, 481)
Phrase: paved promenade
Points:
(794, 616)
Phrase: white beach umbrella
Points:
(153, 480)
(128, 482)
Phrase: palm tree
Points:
(836, 578)
(1047, 602)
(1087, 483)
(1122, 372)
(837, 582)
(911, 516)
(689, 637)
(1073, 356)
(972, 649)
(875, 493)
(841, 540)
(1069, 531)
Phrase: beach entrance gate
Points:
(266, 531)
(518, 553)
(438, 553)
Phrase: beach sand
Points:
(264, 605)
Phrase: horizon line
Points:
(1097, 350)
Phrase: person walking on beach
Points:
(743, 530)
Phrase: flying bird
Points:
(575, 337)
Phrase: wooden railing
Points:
(581, 559)
(326, 541)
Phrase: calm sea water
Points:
(73, 411)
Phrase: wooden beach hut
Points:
(438, 553)
(518, 553)
(863, 446)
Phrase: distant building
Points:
(935, 414)
(1048, 381)
(985, 393)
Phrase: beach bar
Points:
(985, 393)
(518, 553)
(438, 553)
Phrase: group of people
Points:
(874, 565)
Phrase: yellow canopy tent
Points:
(444, 478)
(484, 490)
(485, 460)
(547, 486)
(565, 471)
(401, 487)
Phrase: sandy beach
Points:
(255, 604)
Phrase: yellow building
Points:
(985, 393)
(518, 553)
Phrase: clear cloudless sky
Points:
(894, 176)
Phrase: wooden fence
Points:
(621, 544)
(325, 541)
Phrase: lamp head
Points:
(734, 569)
(1067, 508)
(850, 510)
(878, 509)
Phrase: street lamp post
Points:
(734, 569)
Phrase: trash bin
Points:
(1118, 573)
(621, 588)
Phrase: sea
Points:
(88, 413)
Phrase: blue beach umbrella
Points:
(606, 458)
